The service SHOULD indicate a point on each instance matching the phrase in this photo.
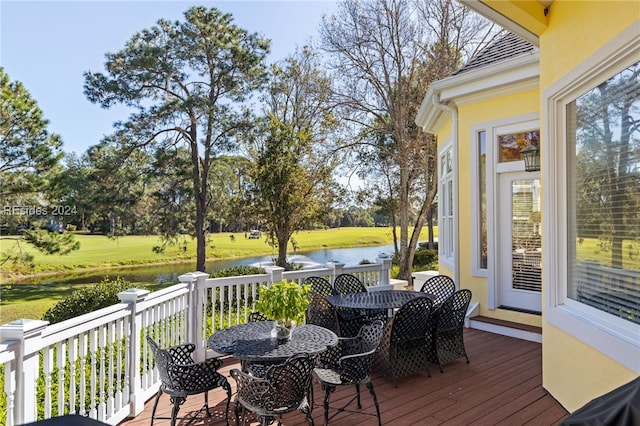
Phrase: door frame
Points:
(520, 299)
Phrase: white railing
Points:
(99, 365)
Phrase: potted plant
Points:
(286, 303)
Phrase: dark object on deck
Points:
(401, 350)
(181, 376)
(446, 340)
(348, 364)
(68, 420)
(283, 388)
(441, 286)
(620, 407)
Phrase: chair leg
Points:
(358, 395)
(327, 394)
(307, 412)
(155, 406)
(375, 402)
(177, 402)
(206, 404)
(237, 413)
(226, 386)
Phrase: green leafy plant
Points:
(87, 300)
(284, 300)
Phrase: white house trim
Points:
(614, 337)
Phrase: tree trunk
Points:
(282, 252)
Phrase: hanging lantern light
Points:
(531, 156)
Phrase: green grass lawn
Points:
(98, 251)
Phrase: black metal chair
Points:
(349, 363)
(445, 341)
(319, 286)
(321, 312)
(257, 316)
(281, 389)
(440, 286)
(181, 376)
(401, 350)
(345, 323)
(348, 284)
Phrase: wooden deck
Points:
(501, 386)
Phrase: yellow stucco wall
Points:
(573, 372)
(500, 108)
(576, 29)
(491, 110)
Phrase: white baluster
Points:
(73, 357)
(83, 349)
(61, 351)
(47, 369)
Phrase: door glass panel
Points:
(511, 144)
(526, 235)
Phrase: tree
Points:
(385, 54)
(607, 177)
(292, 175)
(29, 159)
(183, 80)
(27, 150)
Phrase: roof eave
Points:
(521, 71)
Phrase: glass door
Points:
(520, 260)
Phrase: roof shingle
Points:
(506, 47)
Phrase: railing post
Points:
(276, 273)
(195, 317)
(385, 273)
(337, 268)
(133, 297)
(26, 333)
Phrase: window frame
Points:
(476, 196)
(615, 337)
(444, 259)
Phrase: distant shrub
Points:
(425, 259)
(237, 271)
(87, 299)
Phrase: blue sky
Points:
(47, 45)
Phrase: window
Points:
(446, 197)
(511, 144)
(603, 145)
(592, 200)
(482, 199)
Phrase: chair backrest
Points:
(357, 358)
(453, 310)
(163, 360)
(291, 380)
(257, 316)
(319, 286)
(321, 312)
(441, 286)
(411, 321)
(348, 284)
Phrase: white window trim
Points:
(449, 261)
(493, 128)
(476, 270)
(615, 337)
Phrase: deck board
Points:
(502, 385)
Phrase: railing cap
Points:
(192, 276)
(21, 328)
(132, 295)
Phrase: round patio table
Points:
(374, 300)
(255, 342)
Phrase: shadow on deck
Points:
(501, 386)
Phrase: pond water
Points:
(169, 273)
